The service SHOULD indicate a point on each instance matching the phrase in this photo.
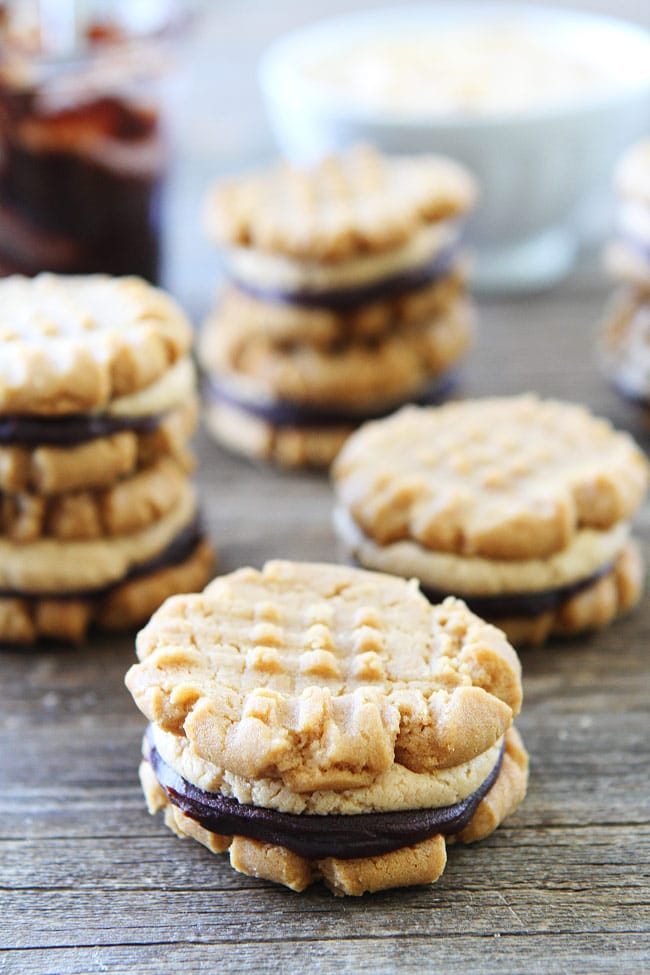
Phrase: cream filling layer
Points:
(49, 565)
(458, 575)
(278, 273)
(175, 387)
(395, 789)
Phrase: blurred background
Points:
(545, 169)
(223, 126)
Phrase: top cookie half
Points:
(502, 478)
(324, 676)
(354, 204)
(74, 344)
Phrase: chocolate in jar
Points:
(82, 158)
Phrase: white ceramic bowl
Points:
(544, 171)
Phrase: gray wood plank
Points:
(553, 953)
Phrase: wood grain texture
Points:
(90, 883)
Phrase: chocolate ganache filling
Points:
(288, 413)
(340, 299)
(179, 550)
(520, 604)
(312, 836)
(68, 431)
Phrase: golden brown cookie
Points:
(591, 607)
(323, 688)
(295, 403)
(356, 203)
(419, 863)
(76, 344)
(516, 505)
(50, 565)
(353, 374)
(321, 722)
(99, 462)
(504, 478)
(243, 432)
(124, 606)
(324, 328)
(128, 505)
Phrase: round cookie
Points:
(295, 403)
(356, 375)
(294, 707)
(421, 862)
(357, 203)
(517, 505)
(98, 400)
(127, 505)
(123, 606)
(325, 328)
(76, 344)
(49, 565)
(99, 462)
(346, 297)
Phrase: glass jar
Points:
(83, 146)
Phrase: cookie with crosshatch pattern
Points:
(320, 721)
(518, 505)
(346, 298)
(355, 203)
(98, 400)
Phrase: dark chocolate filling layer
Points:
(68, 431)
(179, 549)
(519, 604)
(316, 837)
(286, 413)
(340, 299)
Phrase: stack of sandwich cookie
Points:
(346, 297)
(625, 340)
(322, 722)
(517, 505)
(98, 518)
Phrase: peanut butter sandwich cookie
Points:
(98, 519)
(625, 338)
(346, 297)
(517, 505)
(320, 722)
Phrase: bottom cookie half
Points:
(124, 606)
(591, 608)
(420, 863)
(294, 435)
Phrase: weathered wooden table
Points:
(90, 883)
